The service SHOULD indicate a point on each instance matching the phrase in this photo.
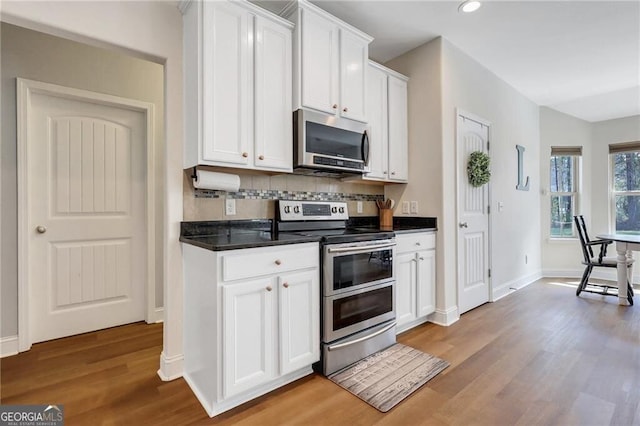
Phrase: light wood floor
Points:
(539, 356)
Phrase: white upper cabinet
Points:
(238, 78)
(330, 62)
(386, 97)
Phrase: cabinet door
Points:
(377, 119)
(398, 134)
(299, 303)
(405, 288)
(248, 321)
(426, 282)
(227, 117)
(354, 60)
(319, 53)
(273, 119)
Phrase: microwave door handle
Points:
(365, 148)
(360, 248)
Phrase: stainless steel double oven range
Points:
(358, 280)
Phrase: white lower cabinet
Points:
(247, 336)
(415, 278)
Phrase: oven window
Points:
(360, 307)
(333, 141)
(355, 269)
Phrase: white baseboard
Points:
(608, 274)
(513, 285)
(157, 316)
(445, 317)
(8, 346)
(171, 368)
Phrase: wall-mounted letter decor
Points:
(520, 186)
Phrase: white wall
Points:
(562, 257)
(515, 232)
(443, 78)
(152, 30)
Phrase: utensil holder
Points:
(386, 219)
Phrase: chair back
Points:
(587, 251)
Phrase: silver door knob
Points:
(463, 225)
(41, 229)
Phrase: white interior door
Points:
(473, 218)
(86, 210)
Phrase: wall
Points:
(423, 67)
(605, 133)
(37, 56)
(515, 231)
(443, 78)
(152, 30)
(258, 192)
(562, 257)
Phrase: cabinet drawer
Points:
(413, 242)
(247, 263)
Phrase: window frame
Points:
(613, 193)
(576, 158)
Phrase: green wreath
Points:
(478, 168)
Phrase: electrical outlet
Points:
(229, 206)
(359, 206)
(526, 259)
(405, 207)
(414, 207)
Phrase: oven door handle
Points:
(361, 339)
(359, 248)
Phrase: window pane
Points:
(561, 173)
(628, 214)
(562, 216)
(626, 171)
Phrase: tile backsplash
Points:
(257, 194)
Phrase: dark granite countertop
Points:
(401, 224)
(237, 234)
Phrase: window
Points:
(625, 187)
(565, 162)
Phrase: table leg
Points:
(622, 274)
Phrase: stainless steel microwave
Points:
(324, 143)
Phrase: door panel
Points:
(473, 220)
(87, 174)
(405, 288)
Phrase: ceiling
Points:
(578, 57)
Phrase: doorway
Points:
(473, 216)
(86, 227)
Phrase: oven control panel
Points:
(312, 210)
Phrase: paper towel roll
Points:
(215, 180)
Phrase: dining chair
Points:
(601, 260)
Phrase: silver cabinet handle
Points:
(463, 225)
(360, 248)
(41, 229)
(362, 339)
(421, 258)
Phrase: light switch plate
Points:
(359, 206)
(405, 207)
(229, 207)
(414, 207)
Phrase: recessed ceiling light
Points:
(469, 6)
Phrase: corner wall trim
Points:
(445, 317)
(8, 346)
(171, 368)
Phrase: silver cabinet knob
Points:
(278, 262)
(261, 157)
(345, 109)
(334, 106)
(421, 258)
(41, 229)
(285, 285)
(418, 243)
(463, 225)
(269, 288)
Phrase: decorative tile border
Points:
(273, 194)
